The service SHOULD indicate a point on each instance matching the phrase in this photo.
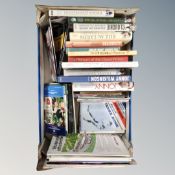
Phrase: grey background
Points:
(153, 99)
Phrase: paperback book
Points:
(55, 109)
(118, 20)
(89, 65)
(103, 86)
(95, 72)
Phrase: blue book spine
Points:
(101, 78)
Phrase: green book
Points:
(99, 20)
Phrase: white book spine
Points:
(81, 27)
(82, 13)
(76, 65)
(107, 86)
(77, 72)
(89, 36)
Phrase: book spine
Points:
(87, 49)
(71, 121)
(116, 114)
(122, 117)
(98, 59)
(69, 79)
(107, 86)
(99, 20)
(78, 27)
(105, 52)
(76, 72)
(98, 36)
(76, 65)
(82, 13)
(92, 44)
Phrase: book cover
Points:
(55, 109)
(99, 117)
(100, 78)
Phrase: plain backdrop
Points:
(153, 100)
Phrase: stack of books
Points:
(87, 110)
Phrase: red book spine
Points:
(122, 117)
(98, 59)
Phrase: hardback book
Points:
(103, 86)
(95, 72)
(98, 59)
(92, 44)
(125, 37)
(83, 13)
(95, 27)
(100, 52)
(88, 65)
(97, 78)
(118, 20)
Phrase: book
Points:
(87, 49)
(117, 94)
(79, 65)
(55, 109)
(71, 117)
(51, 51)
(103, 86)
(115, 106)
(99, 117)
(97, 71)
(125, 37)
(98, 59)
(83, 13)
(98, 78)
(55, 161)
(87, 146)
(116, 20)
(95, 27)
(91, 44)
(100, 52)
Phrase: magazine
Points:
(87, 145)
(101, 117)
